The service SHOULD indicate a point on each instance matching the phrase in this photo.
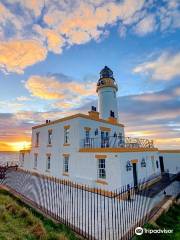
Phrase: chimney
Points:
(93, 113)
(112, 118)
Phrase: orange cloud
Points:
(16, 55)
(52, 89)
(146, 25)
(85, 20)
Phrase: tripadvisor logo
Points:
(140, 231)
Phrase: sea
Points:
(10, 157)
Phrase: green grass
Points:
(19, 221)
(169, 220)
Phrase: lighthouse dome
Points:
(106, 79)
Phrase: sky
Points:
(51, 53)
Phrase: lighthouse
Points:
(106, 89)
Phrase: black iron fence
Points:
(116, 142)
(91, 212)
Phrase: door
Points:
(161, 163)
(135, 174)
(102, 138)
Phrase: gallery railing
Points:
(116, 142)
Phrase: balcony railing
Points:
(116, 142)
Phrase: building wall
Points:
(83, 166)
(57, 149)
(171, 161)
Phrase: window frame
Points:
(48, 162)
(101, 168)
(66, 164)
(35, 160)
(49, 137)
(37, 139)
(66, 135)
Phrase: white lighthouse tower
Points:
(106, 89)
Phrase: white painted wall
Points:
(107, 101)
(83, 166)
(171, 162)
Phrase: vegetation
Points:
(18, 221)
(169, 220)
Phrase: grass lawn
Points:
(18, 221)
(169, 220)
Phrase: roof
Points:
(79, 115)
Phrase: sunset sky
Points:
(51, 53)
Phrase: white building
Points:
(92, 149)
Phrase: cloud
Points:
(15, 128)
(51, 26)
(65, 90)
(154, 115)
(16, 55)
(146, 25)
(23, 99)
(148, 118)
(153, 97)
(165, 67)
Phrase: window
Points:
(66, 164)
(48, 164)
(153, 163)
(157, 164)
(101, 168)
(87, 137)
(50, 137)
(35, 160)
(37, 139)
(104, 139)
(87, 133)
(120, 138)
(22, 160)
(66, 135)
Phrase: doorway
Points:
(135, 175)
(161, 163)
